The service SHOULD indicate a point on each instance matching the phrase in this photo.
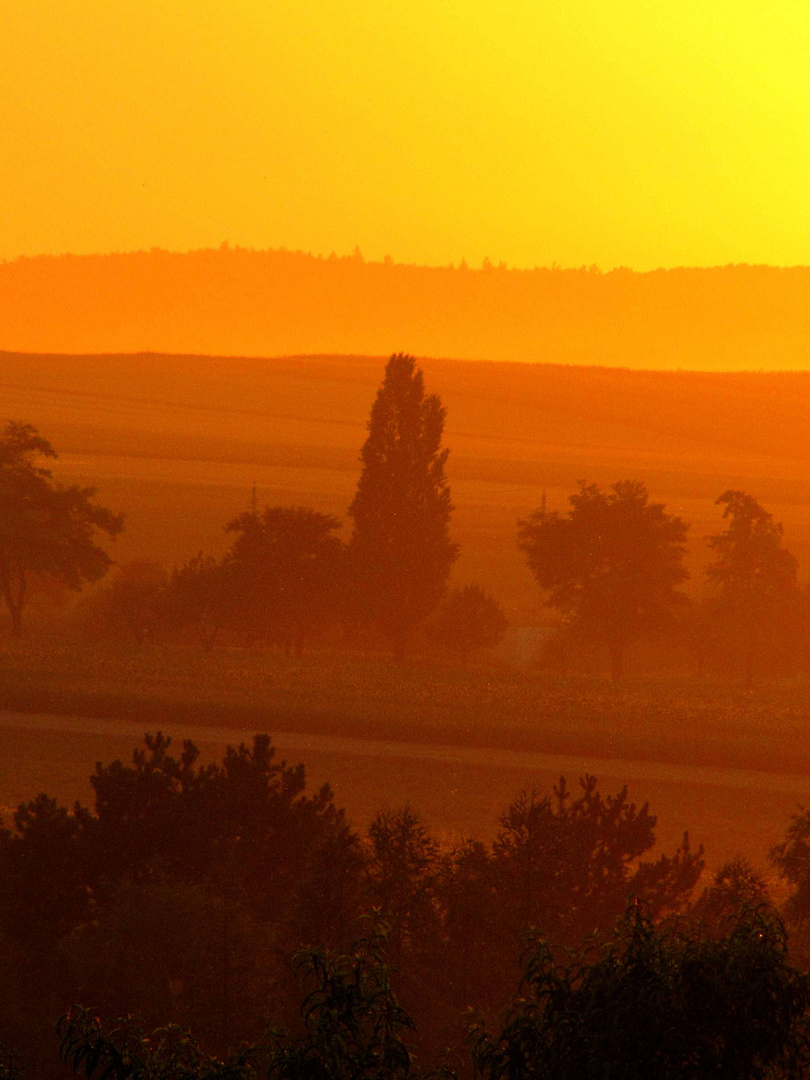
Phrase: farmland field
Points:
(177, 443)
(458, 744)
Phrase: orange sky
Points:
(633, 132)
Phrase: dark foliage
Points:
(289, 571)
(181, 896)
(400, 548)
(659, 1002)
(45, 529)
(128, 610)
(203, 595)
(571, 864)
(248, 816)
(469, 619)
(792, 860)
(354, 1029)
(612, 564)
(736, 887)
(754, 580)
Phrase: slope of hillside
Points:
(234, 301)
(177, 442)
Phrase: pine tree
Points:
(401, 549)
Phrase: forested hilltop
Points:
(234, 300)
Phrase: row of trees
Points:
(219, 872)
(611, 566)
(183, 895)
(288, 574)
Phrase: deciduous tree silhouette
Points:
(613, 563)
(354, 1028)
(288, 568)
(130, 608)
(202, 594)
(656, 1002)
(401, 550)
(469, 619)
(753, 575)
(45, 529)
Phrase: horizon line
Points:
(487, 265)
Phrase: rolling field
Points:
(457, 744)
(177, 442)
(677, 720)
(459, 792)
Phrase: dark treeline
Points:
(610, 567)
(186, 895)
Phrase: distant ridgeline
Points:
(260, 303)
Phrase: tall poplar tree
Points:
(401, 549)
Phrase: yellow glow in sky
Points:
(628, 132)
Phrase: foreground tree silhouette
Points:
(612, 564)
(401, 550)
(657, 1002)
(45, 530)
(569, 864)
(354, 1029)
(652, 1002)
(753, 575)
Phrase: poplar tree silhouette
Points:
(401, 550)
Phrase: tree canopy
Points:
(45, 529)
(401, 550)
(287, 568)
(612, 563)
(752, 576)
(658, 1002)
(469, 619)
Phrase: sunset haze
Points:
(643, 135)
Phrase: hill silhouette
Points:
(177, 442)
(233, 301)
